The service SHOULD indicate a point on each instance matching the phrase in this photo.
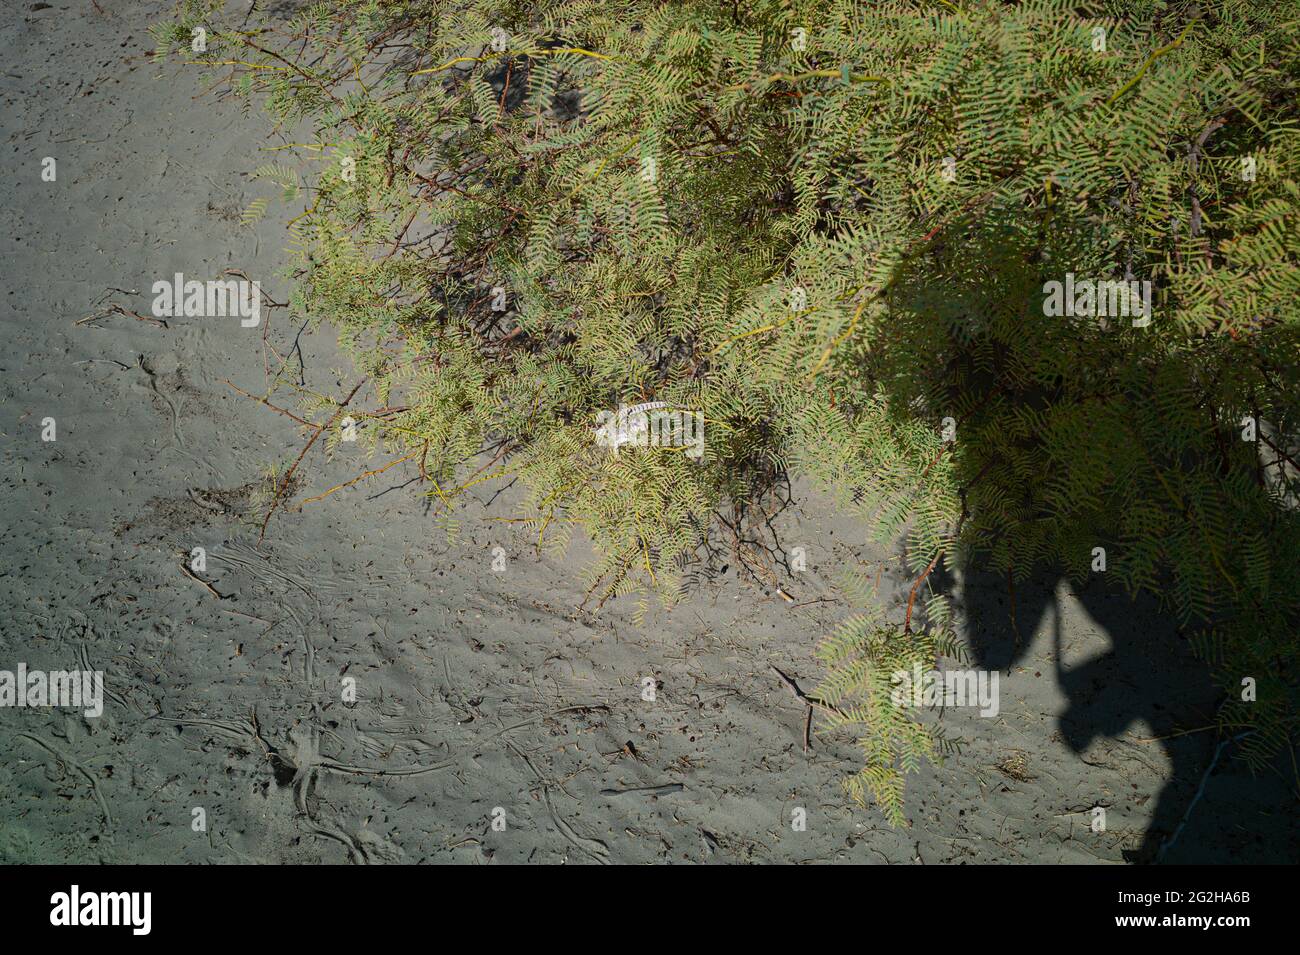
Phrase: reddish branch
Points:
(911, 597)
(320, 429)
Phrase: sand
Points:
(493, 720)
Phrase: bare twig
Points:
(802, 697)
(193, 576)
(288, 477)
(119, 310)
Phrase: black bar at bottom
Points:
(335, 905)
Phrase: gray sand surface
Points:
(476, 690)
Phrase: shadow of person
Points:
(1059, 432)
(1149, 676)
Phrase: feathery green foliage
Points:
(861, 661)
(826, 227)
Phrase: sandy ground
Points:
(478, 692)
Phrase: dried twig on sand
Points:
(119, 310)
(808, 701)
(195, 577)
